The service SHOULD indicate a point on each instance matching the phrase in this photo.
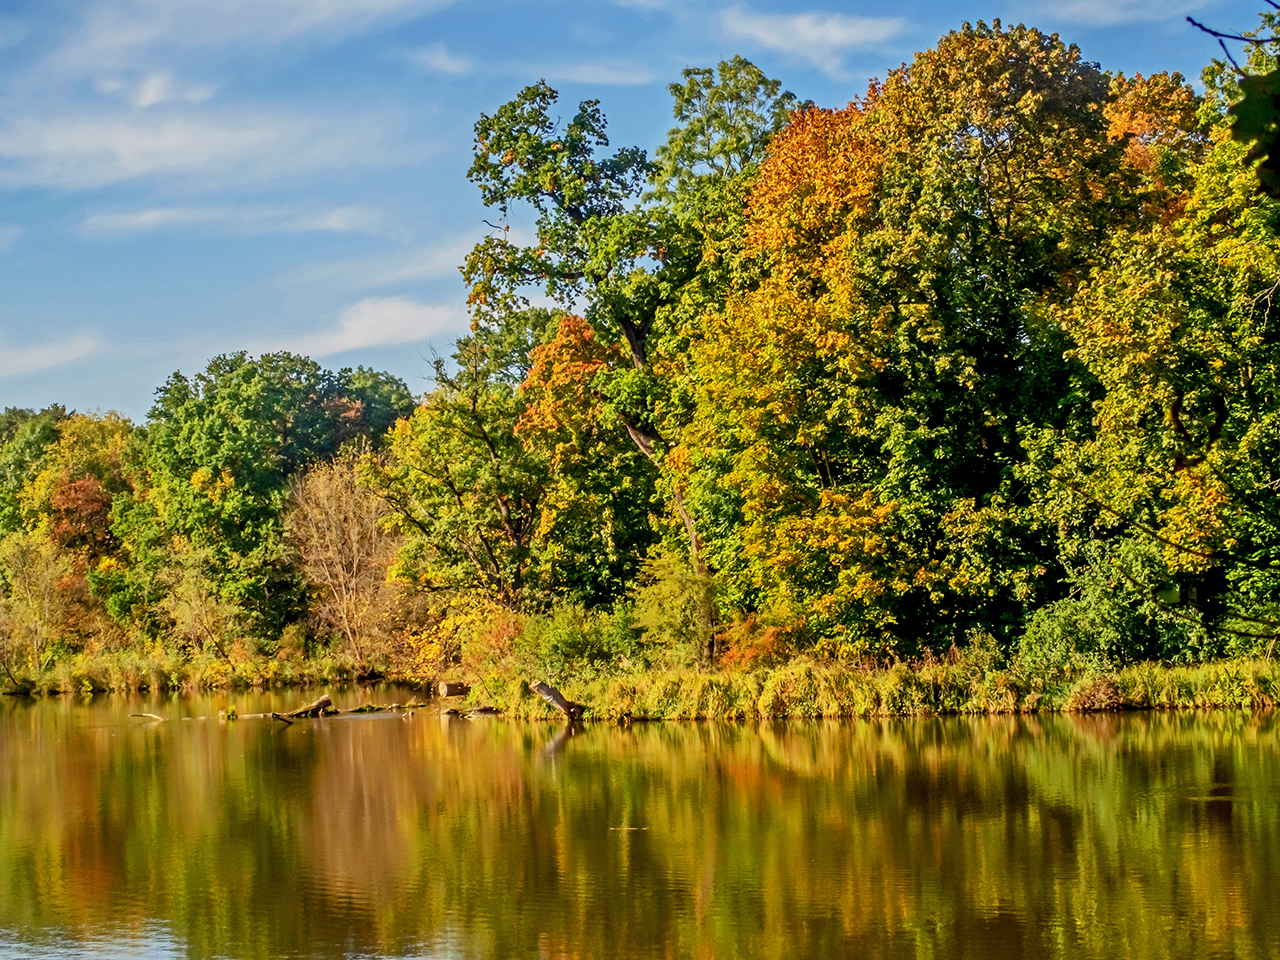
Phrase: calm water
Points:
(1135, 836)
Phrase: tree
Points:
(70, 499)
(1250, 96)
(873, 391)
(1177, 324)
(26, 436)
(35, 599)
(643, 266)
(334, 527)
(462, 489)
(212, 468)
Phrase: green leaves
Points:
(727, 116)
(1255, 122)
(212, 468)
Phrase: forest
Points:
(976, 373)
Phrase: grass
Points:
(800, 689)
(130, 671)
(810, 690)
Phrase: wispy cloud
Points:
(112, 33)
(8, 235)
(820, 38)
(251, 220)
(375, 322)
(371, 273)
(14, 361)
(1110, 13)
(91, 151)
(607, 74)
(437, 57)
(153, 89)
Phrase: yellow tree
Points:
(873, 391)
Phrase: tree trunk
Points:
(554, 697)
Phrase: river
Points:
(1130, 836)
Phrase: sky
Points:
(184, 178)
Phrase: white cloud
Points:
(370, 273)
(112, 33)
(239, 219)
(8, 234)
(157, 88)
(437, 57)
(92, 151)
(1108, 13)
(820, 38)
(29, 359)
(375, 322)
(601, 73)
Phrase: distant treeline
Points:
(987, 356)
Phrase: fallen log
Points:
(447, 689)
(317, 709)
(573, 711)
(320, 708)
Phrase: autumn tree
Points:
(82, 473)
(26, 435)
(334, 526)
(904, 343)
(1177, 322)
(639, 263)
(212, 467)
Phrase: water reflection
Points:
(1136, 836)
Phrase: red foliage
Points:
(80, 516)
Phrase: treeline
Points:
(987, 356)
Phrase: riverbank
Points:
(811, 690)
(130, 671)
(800, 689)
(808, 690)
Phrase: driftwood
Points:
(320, 708)
(447, 689)
(573, 711)
(316, 709)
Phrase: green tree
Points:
(873, 391)
(1177, 323)
(643, 265)
(212, 467)
(26, 435)
(463, 489)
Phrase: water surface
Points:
(1136, 836)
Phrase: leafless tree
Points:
(334, 528)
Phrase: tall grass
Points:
(809, 689)
(129, 671)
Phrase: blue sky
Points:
(182, 178)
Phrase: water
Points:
(1153, 835)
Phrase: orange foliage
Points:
(563, 403)
(748, 644)
(819, 175)
(80, 516)
(1155, 118)
(1151, 112)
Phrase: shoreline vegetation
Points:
(961, 397)
(959, 684)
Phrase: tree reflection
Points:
(1119, 836)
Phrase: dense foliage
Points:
(987, 356)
